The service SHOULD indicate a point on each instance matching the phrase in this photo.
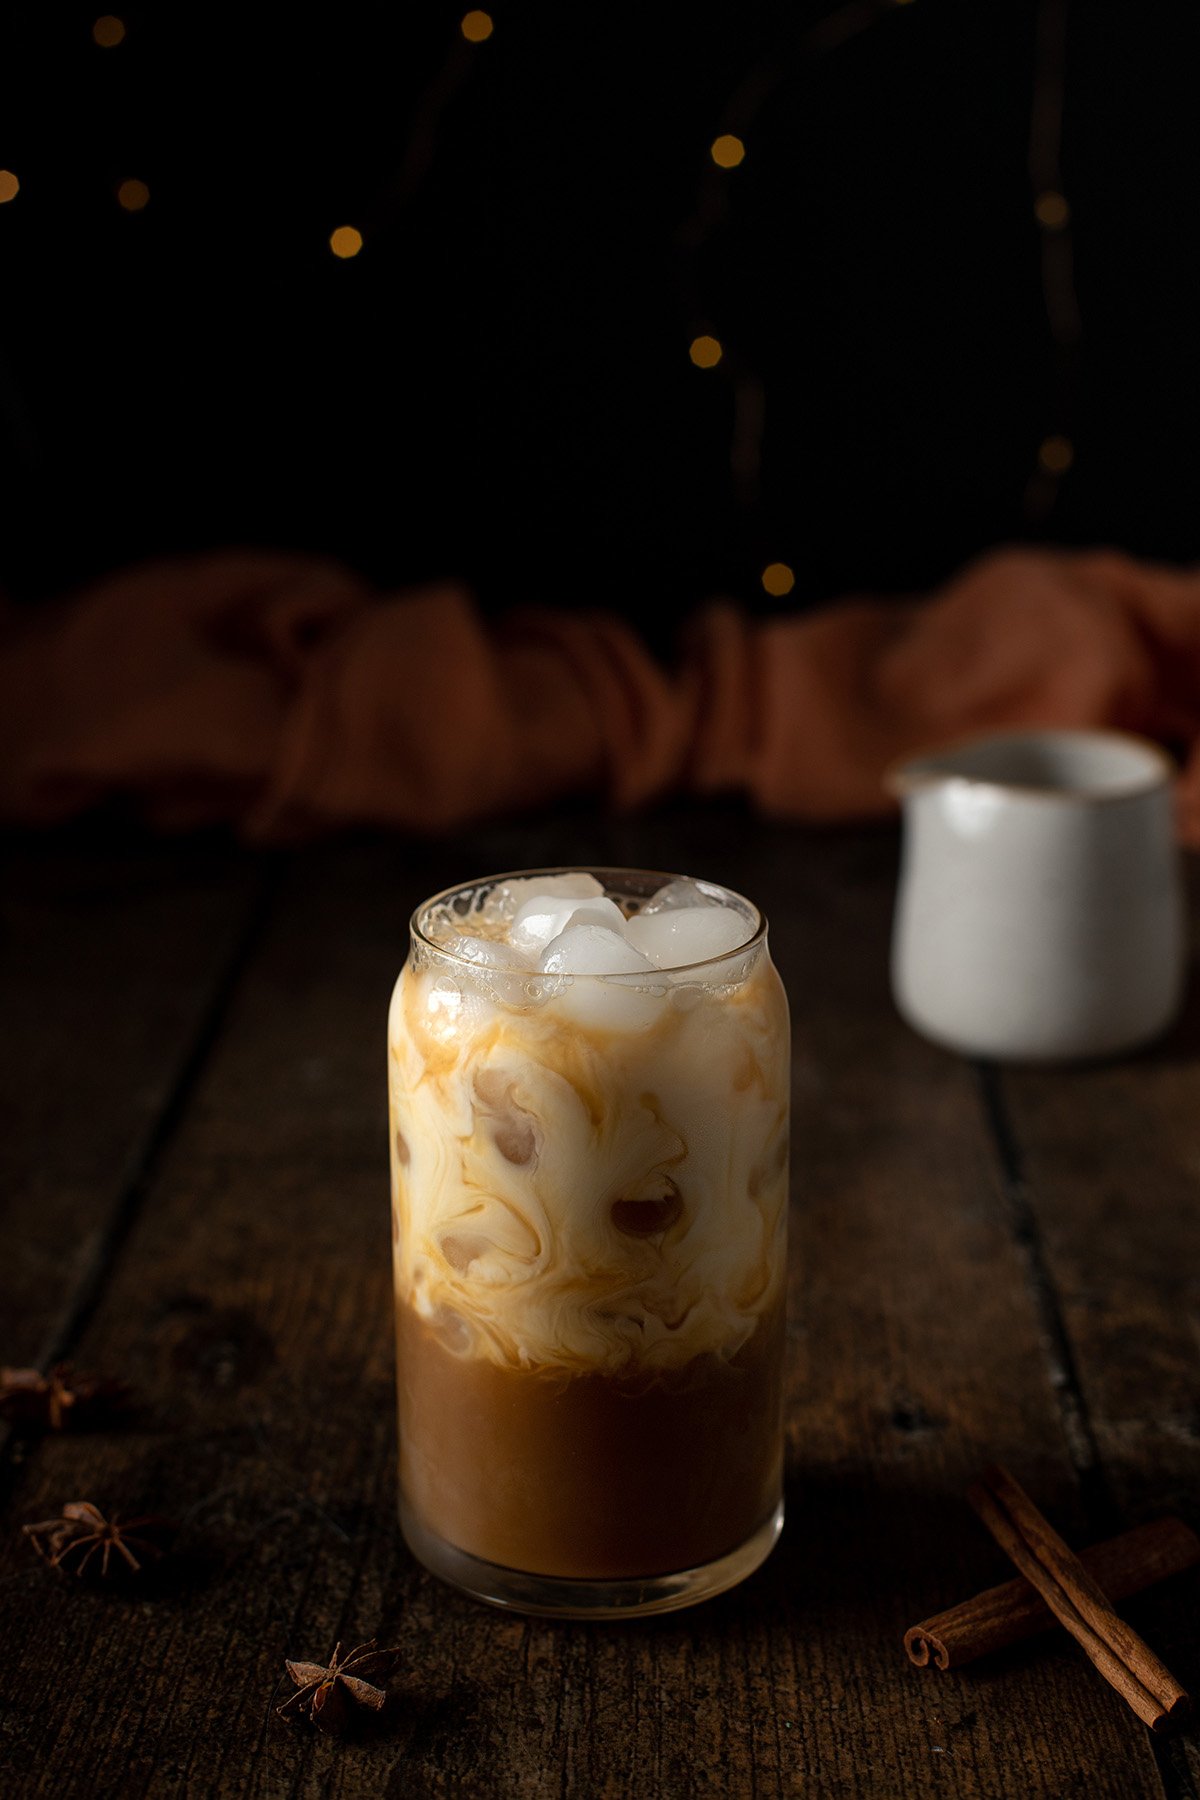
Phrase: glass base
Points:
(558, 1597)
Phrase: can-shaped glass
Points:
(589, 1223)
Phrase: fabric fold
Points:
(281, 694)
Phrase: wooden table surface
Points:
(984, 1265)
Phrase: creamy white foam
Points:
(589, 1170)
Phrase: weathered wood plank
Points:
(252, 1302)
(1108, 1159)
(110, 959)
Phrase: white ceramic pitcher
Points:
(1040, 912)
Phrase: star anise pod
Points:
(58, 1399)
(82, 1540)
(324, 1694)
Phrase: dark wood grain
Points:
(1108, 1161)
(251, 1298)
(109, 966)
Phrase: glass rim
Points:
(601, 871)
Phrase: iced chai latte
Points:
(589, 1112)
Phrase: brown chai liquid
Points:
(592, 1476)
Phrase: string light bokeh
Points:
(778, 579)
(108, 31)
(345, 241)
(133, 195)
(1056, 451)
(759, 324)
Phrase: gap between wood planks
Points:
(78, 1310)
(1103, 1515)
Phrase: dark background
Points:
(498, 387)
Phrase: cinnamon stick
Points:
(1076, 1600)
(1013, 1611)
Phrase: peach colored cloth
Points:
(281, 693)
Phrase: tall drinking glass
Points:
(589, 1180)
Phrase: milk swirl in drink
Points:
(589, 1105)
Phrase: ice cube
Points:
(486, 953)
(504, 900)
(584, 948)
(543, 916)
(615, 992)
(503, 971)
(679, 936)
(454, 1008)
(441, 924)
(576, 884)
(680, 893)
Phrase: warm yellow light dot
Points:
(133, 195)
(777, 578)
(10, 187)
(345, 241)
(108, 31)
(727, 151)
(476, 27)
(1056, 454)
(705, 352)
(1052, 210)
